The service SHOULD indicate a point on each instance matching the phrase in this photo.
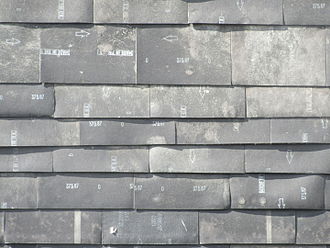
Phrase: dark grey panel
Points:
(277, 192)
(19, 54)
(236, 12)
(125, 132)
(194, 159)
(25, 160)
(85, 54)
(26, 101)
(303, 159)
(46, 11)
(38, 133)
(306, 12)
(313, 227)
(18, 192)
(140, 11)
(279, 56)
(223, 132)
(101, 101)
(60, 227)
(2, 226)
(294, 102)
(194, 102)
(82, 191)
(247, 227)
(127, 159)
(184, 55)
(130, 227)
(182, 192)
(328, 58)
(327, 193)
(300, 131)
(278, 246)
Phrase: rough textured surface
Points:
(184, 55)
(140, 11)
(279, 56)
(236, 12)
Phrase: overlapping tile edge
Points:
(199, 145)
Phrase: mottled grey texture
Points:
(127, 132)
(112, 159)
(88, 54)
(184, 55)
(18, 192)
(19, 54)
(85, 191)
(197, 159)
(300, 131)
(236, 12)
(313, 227)
(26, 101)
(182, 192)
(247, 227)
(327, 193)
(53, 227)
(294, 102)
(129, 227)
(278, 56)
(197, 102)
(277, 192)
(141, 11)
(101, 101)
(306, 12)
(44, 11)
(293, 159)
(223, 132)
(25, 160)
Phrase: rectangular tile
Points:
(123, 159)
(303, 159)
(313, 227)
(101, 102)
(265, 191)
(60, 227)
(236, 12)
(19, 54)
(197, 159)
(85, 191)
(184, 55)
(26, 101)
(141, 11)
(130, 227)
(18, 192)
(300, 131)
(278, 246)
(25, 160)
(43, 11)
(88, 54)
(307, 12)
(38, 133)
(2, 226)
(328, 58)
(182, 192)
(127, 132)
(292, 56)
(327, 192)
(197, 102)
(295, 102)
(223, 132)
(247, 227)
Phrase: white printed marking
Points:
(37, 96)
(182, 60)
(303, 193)
(192, 156)
(82, 34)
(281, 203)
(240, 4)
(116, 53)
(72, 186)
(125, 11)
(113, 230)
(77, 227)
(325, 123)
(55, 52)
(86, 110)
(269, 234)
(60, 11)
(319, 5)
(203, 91)
(305, 137)
(15, 163)
(12, 41)
(289, 156)
(13, 137)
(236, 126)
(114, 163)
(95, 123)
(221, 20)
(171, 38)
(261, 184)
(184, 225)
(183, 111)
(309, 100)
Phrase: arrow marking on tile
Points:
(82, 34)
(289, 156)
(13, 41)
